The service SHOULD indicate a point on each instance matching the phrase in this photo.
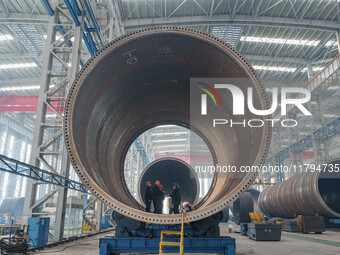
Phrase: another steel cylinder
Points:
(169, 171)
(248, 202)
(309, 193)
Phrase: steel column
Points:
(31, 188)
(99, 213)
(338, 39)
(65, 166)
(48, 149)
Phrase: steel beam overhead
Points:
(16, 167)
(236, 20)
(31, 54)
(21, 18)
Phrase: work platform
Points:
(111, 245)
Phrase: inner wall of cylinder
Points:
(174, 143)
(118, 99)
(169, 171)
(329, 187)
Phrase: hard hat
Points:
(161, 186)
(147, 183)
(157, 182)
(175, 184)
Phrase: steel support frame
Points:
(16, 167)
(224, 245)
(294, 135)
(338, 39)
(115, 25)
(316, 121)
(317, 138)
(325, 132)
(55, 67)
(99, 214)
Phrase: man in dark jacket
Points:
(158, 197)
(176, 198)
(148, 197)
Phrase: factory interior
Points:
(170, 126)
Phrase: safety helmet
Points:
(161, 186)
(157, 182)
(147, 183)
(175, 184)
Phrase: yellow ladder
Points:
(168, 232)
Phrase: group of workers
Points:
(157, 196)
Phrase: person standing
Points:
(176, 198)
(157, 196)
(148, 197)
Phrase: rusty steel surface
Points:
(142, 80)
(307, 194)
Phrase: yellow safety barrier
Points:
(256, 217)
(168, 232)
(13, 226)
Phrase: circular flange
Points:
(221, 197)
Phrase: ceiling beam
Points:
(31, 54)
(277, 59)
(275, 83)
(19, 18)
(323, 25)
(26, 81)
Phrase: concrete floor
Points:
(85, 246)
(327, 243)
(315, 244)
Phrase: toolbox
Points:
(260, 231)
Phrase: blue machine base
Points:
(111, 245)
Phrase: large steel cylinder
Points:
(169, 171)
(307, 193)
(142, 80)
(247, 202)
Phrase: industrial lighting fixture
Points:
(48, 115)
(275, 68)
(20, 88)
(170, 151)
(32, 87)
(5, 37)
(168, 146)
(330, 115)
(315, 69)
(166, 126)
(172, 133)
(283, 41)
(333, 88)
(169, 140)
(22, 65)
